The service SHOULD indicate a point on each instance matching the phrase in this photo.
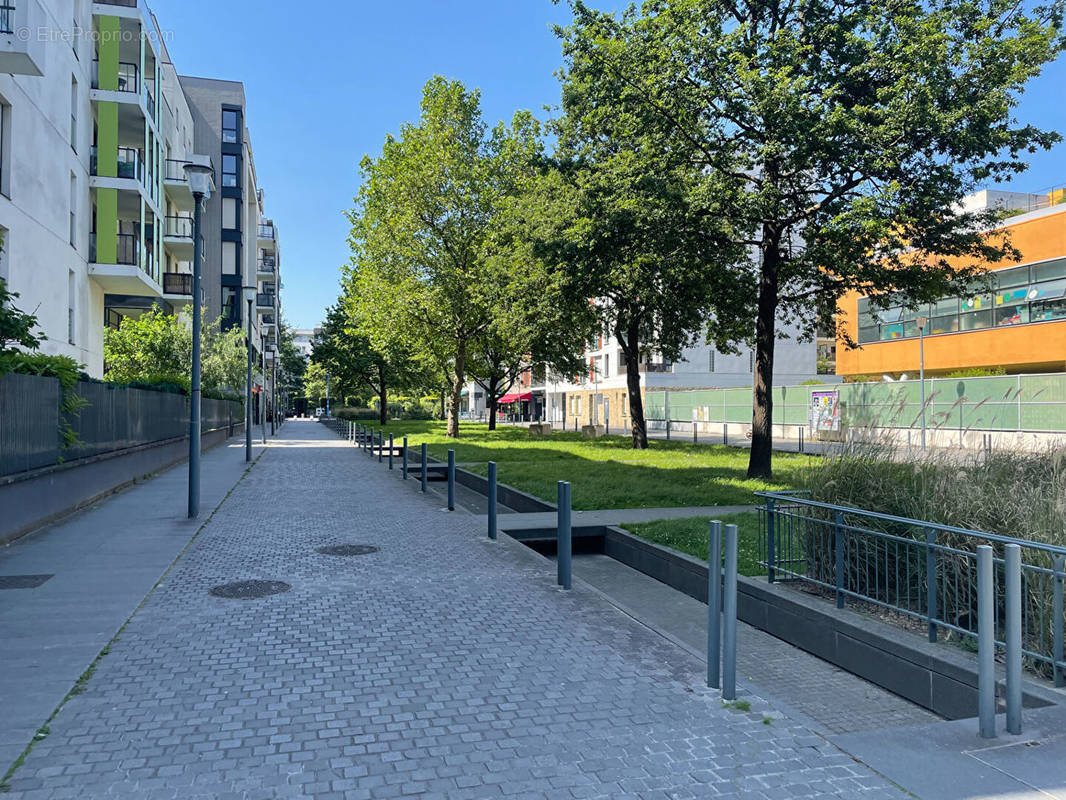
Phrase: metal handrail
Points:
(912, 570)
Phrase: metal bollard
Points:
(801, 439)
(667, 429)
(451, 480)
(381, 446)
(695, 433)
(930, 580)
(1056, 614)
(729, 620)
(391, 443)
(563, 539)
(403, 463)
(725, 433)
(986, 644)
(714, 605)
(424, 478)
(492, 499)
(1012, 562)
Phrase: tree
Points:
(17, 328)
(419, 229)
(619, 217)
(293, 364)
(157, 348)
(837, 136)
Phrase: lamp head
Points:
(249, 293)
(200, 175)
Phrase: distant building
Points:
(1019, 326)
(304, 339)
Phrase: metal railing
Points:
(128, 163)
(264, 300)
(266, 264)
(126, 3)
(267, 232)
(178, 227)
(177, 283)
(127, 247)
(128, 76)
(921, 570)
(174, 170)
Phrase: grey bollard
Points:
(403, 463)
(714, 606)
(492, 499)
(424, 476)
(391, 443)
(451, 480)
(1056, 614)
(1012, 562)
(381, 446)
(725, 433)
(986, 645)
(563, 543)
(729, 616)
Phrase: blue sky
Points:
(327, 80)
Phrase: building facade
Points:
(1019, 326)
(95, 210)
(600, 394)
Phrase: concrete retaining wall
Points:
(32, 499)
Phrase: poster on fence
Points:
(825, 411)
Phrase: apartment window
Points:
(231, 126)
(71, 295)
(606, 364)
(229, 171)
(73, 210)
(710, 361)
(5, 148)
(75, 28)
(7, 16)
(229, 258)
(229, 303)
(229, 213)
(5, 246)
(751, 361)
(74, 114)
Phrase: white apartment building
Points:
(95, 210)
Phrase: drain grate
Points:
(23, 581)
(249, 590)
(346, 550)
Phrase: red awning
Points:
(514, 398)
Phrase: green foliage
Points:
(812, 382)
(293, 364)
(156, 348)
(976, 372)
(835, 137)
(16, 327)
(431, 263)
(689, 535)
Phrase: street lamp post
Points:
(199, 175)
(249, 298)
(921, 371)
(327, 395)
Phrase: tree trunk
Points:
(760, 461)
(631, 351)
(457, 392)
(443, 404)
(494, 402)
(383, 397)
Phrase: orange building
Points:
(1021, 326)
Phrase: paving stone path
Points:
(442, 665)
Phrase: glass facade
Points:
(1033, 293)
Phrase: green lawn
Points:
(691, 536)
(606, 472)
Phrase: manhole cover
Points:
(249, 590)
(346, 550)
(22, 581)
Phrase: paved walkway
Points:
(444, 665)
(97, 566)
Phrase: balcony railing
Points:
(128, 164)
(126, 248)
(128, 76)
(177, 283)
(175, 170)
(178, 227)
(267, 232)
(266, 263)
(267, 319)
(125, 3)
(264, 300)
(7, 17)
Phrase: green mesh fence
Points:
(999, 403)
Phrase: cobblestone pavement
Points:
(442, 666)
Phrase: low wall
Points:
(930, 675)
(33, 499)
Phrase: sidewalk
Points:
(443, 665)
(95, 568)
